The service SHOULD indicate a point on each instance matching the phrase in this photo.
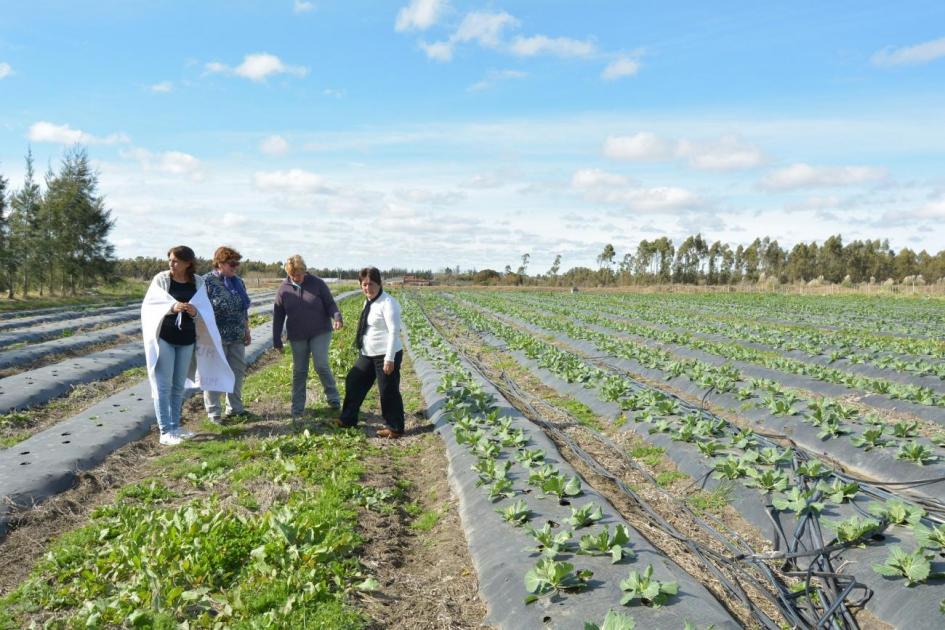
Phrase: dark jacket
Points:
(309, 311)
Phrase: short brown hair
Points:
(184, 253)
(371, 273)
(224, 254)
(294, 264)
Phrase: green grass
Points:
(649, 455)
(426, 521)
(102, 295)
(713, 501)
(667, 477)
(581, 412)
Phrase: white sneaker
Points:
(184, 435)
(169, 439)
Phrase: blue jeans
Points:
(317, 348)
(171, 374)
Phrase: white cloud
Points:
(64, 134)
(807, 176)
(934, 209)
(438, 51)
(333, 93)
(417, 195)
(257, 67)
(485, 28)
(621, 67)
(596, 178)
(493, 77)
(727, 154)
(293, 181)
(301, 6)
(162, 87)
(920, 53)
(5, 70)
(419, 15)
(274, 145)
(483, 180)
(640, 146)
(171, 162)
(560, 46)
(612, 188)
(231, 219)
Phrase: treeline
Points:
(144, 268)
(695, 261)
(55, 238)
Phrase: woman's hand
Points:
(247, 337)
(184, 307)
(388, 367)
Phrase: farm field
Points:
(602, 460)
(786, 452)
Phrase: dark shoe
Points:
(334, 406)
(389, 434)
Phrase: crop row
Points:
(794, 483)
(912, 393)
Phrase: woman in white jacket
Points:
(177, 323)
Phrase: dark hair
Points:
(372, 273)
(184, 253)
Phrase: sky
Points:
(438, 133)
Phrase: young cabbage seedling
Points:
(613, 621)
(854, 529)
(550, 543)
(516, 514)
(642, 586)
(605, 542)
(550, 576)
(915, 566)
(587, 514)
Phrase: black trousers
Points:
(358, 383)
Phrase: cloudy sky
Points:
(432, 133)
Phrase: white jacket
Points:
(209, 370)
(383, 329)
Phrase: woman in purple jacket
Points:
(305, 305)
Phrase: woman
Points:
(227, 294)
(305, 305)
(380, 353)
(177, 320)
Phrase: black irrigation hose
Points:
(820, 550)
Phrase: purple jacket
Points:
(309, 310)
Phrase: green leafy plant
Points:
(813, 469)
(613, 621)
(642, 586)
(897, 512)
(769, 480)
(730, 468)
(930, 538)
(560, 486)
(853, 529)
(914, 566)
(773, 456)
(710, 448)
(501, 488)
(549, 542)
(585, 515)
(605, 542)
(516, 514)
(905, 429)
(869, 439)
(915, 452)
(798, 501)
(530, 457)
(838, 491)
(551, 576)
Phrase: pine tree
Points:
(6, 254)
(25, 229)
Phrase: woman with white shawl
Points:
(178, 326)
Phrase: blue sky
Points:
(427, 133)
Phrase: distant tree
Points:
(7, 257)
(79, 222)
(555, 266)
(25, 233)
(525, 258)
(606, 257)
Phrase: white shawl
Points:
(210, 370)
